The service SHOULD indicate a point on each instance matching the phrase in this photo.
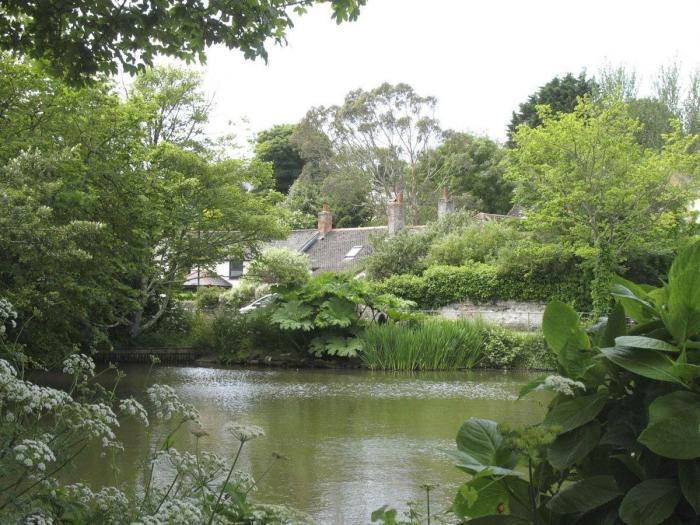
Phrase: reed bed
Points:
(433, 344)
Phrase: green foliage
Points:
(403, 253)
(274, 145)
(238, 337)
(476, 242)
(99, 228)
(82, 39)
(471, 165)
(279, 266)
(325, 314)
(432, 344)
(510, 349)
(621, 439)
(484, 283)
(585, 179)
(207, 297)
(560, 94)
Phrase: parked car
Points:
(265, 300)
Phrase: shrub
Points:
(281, 267)
(505, 348)
(238, 337)
(242, 295)
(432, 344)
(476, 243)
(620, 442)
(207, 297)
(402, 254)
(484, 283)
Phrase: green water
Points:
(356, 440)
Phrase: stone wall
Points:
(521, 316)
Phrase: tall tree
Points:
(617, 82)
(275, 145)
(667, 87)
(584, 176)
(81, 38)
(384, 132)
(560, 94)
(473, 165)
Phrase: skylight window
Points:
(353, 252)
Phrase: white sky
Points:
(479, 58)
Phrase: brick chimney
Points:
(325, 221)
(396, 214)
(445, 205)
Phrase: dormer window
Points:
(353, 252)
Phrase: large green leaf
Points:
(681, 313)
(674, 426)
(689, 477)
(615, 327)
(643, 362)
(561, 327)
(585, 495)
(336, 311)
(481, 497)
(650, 502)
(467, 463)
(293, 315)
(637, 341)
(572, 447)
(572, 414)
(482, 441)
(633, 299)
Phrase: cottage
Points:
(329, 249)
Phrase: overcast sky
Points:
(480, 58)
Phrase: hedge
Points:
(484, 283)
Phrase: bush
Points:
(281, 267)
(620, 442)
(402, 254)
(207, 297)
(505, 348)
(238, 337)
(432, 344)
(485, 283)
(242, 295)
(476, 242)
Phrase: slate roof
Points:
(297, 240)
(328, 253)
(205, 278)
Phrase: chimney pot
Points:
(396, 214)
(325, 220)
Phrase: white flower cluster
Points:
(79, 365)
(188, 465)
(243, 432)
(167, 403)
(561, 385)
(133, 408)
(111, 500)
(111, 503)
(264, 514)
(7, 315)
(38, 519)
(175, 512)
(92, 420)
(22, 397)
(33, 454)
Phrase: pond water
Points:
(355, 440)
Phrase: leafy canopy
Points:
(83, 38)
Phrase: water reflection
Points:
(356, 439)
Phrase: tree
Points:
(584, 177)
(274, 145)
(98, 225)
(667, 87)
(384, 132)
(617, 83)
(473, 165)
(177, 107)
(560, 94)
(655, 119)
(279, 266)
(82, 38)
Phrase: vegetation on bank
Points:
(620, 442)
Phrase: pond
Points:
(355, 440)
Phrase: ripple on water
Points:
(241, 386)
